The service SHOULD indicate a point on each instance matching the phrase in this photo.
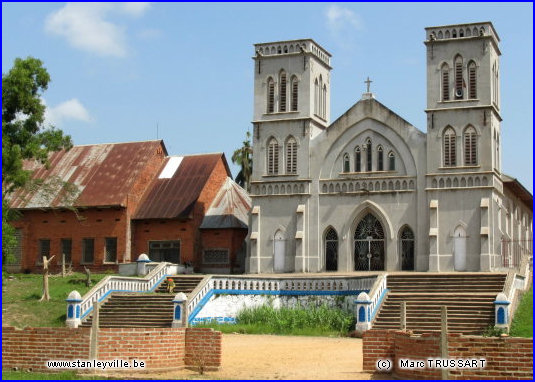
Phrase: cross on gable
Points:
(368, 82)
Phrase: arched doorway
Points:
(369, 245)
(459, 249)
(279, 252)
(331, 250)
(406, 243)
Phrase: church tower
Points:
(291, 104)
(463, 143)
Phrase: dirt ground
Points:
(283, 357)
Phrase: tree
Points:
(243, 158)
(24, 135)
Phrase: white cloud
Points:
(86, 26)
(71, 110)
(339, 18)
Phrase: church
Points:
(370, 191)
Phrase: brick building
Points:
(129, 198)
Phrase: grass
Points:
(522, 325)
(55, 376)
(312, 321)
(20, 298)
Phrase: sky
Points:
(183, 72)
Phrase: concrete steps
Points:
(135, 310)
(468, 297)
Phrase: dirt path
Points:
(284, 357)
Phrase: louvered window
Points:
(380, 158)
(368, 155)
(273, 157)
(459, 82)
(291, 156)
(324, 102)
(449, 148)
(357, 159)
(391, 161)
(346, 163)
(316, 97)
(472, 82)
(445, 83)
(271, 96)
(282, 92)
(470, 147)
(320, 96)
(295, 94)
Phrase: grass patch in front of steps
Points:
(522, 325)
(11, 375)
(301, 321)
(21, 294)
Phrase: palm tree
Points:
(243, 158)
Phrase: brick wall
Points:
(231, 239)
(167, 348)
(506, 357)
(30, 348)
(158, 348)
(203, 347)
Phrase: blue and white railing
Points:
(291, 286)
(368, 304)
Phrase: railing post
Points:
(444, 340)
(363, 312)
(74, 301)
(501, 311)
(180, 312)
(142, 261)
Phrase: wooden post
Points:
(46, 292)
(444, 340)
(62, 265)
(403, 316)
(93, 347)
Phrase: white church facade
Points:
(370, 191)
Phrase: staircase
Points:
(135, 310)
(469, 298)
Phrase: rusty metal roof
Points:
(230, 208)
(103, 174)
(180, 181)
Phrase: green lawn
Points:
(20, 298)
(55, 376)
(522, 325)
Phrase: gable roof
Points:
(103, 174)
(230, 208)
(517, 189)
(179, 183)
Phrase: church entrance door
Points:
(369, 245)
(459, 249)
(331, 250)
(407, 249)
(279, 252)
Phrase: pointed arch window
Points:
(449, 138)
(368, 155)
(472, 80)
(357, 159)
(470, 146)
(445, 82)
(380, 166)
(270, 95)
(282, 91)
(320, 97)
(407, 249)
(273, 157)
(391, 161)
(316, 96)
(291, 156)
(324, 102)
(346, 163)
(331, 250)
(459, 81)
(295, 94)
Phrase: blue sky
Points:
(119, 70)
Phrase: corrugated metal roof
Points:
(174, 196)
(103, 174)
(230, 208)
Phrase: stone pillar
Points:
(485, 263)
(501, 311)
(180, 311)
(363, 304)
(142, 261)
(74, 307)
(299, 262)
(434, 259)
